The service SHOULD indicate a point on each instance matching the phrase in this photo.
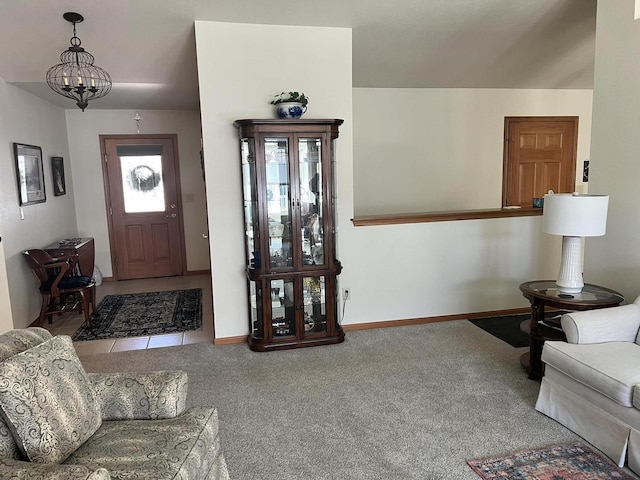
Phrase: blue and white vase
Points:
(290, 110)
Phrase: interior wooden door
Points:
(142, 184)
(540, 155)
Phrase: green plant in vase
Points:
(290, 104)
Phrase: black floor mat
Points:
(506, 328)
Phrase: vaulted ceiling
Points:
(148, 46)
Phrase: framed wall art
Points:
(30, 174)
(57, 171)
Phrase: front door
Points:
(142, 183)
(540, 155)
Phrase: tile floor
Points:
(67, 324)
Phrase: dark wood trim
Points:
(107, 198)
(198, 272)
(279, 126)
(400, 218)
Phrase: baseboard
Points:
(108, 279)
(352, 327)
(230, 340)
(398, 323)
(443, 318)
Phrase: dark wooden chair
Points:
(61, 289)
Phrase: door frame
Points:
(105, 177)
(507, 146)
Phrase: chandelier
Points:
(76, 76)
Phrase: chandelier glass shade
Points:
(76, 76)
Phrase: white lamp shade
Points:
(575, 215)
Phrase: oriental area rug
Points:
(574, 461)
(142, 314)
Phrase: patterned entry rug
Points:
(575, 461)
(142, 314)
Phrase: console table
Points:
(82, 247)
(543, 293)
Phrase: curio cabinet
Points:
(288, 179)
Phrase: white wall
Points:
(240, 67)
(433, 149)
(28, 119)
(394, 272)
(86, 168)
(6, 318)
(614, 260)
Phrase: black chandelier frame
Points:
(77, 77)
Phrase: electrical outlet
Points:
(346, 294)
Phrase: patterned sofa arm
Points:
(141, 395)
(16, 470)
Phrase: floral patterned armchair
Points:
(59, 422)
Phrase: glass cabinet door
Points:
(311, 194)
(255, 310)
(277, 168)
(283, 321)
(250, 197)
(315, 304)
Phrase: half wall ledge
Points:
(400, 218)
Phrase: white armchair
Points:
(592, 382)
(616, 324)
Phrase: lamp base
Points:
(570, 291)
(570, 276)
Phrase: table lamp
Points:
(573, 216)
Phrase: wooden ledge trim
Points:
(400, 218)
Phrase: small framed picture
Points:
(30, 174)
(57, 171)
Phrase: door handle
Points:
(173, 215)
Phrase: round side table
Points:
(543, 293)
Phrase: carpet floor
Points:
(142, 314)
(410, 402)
